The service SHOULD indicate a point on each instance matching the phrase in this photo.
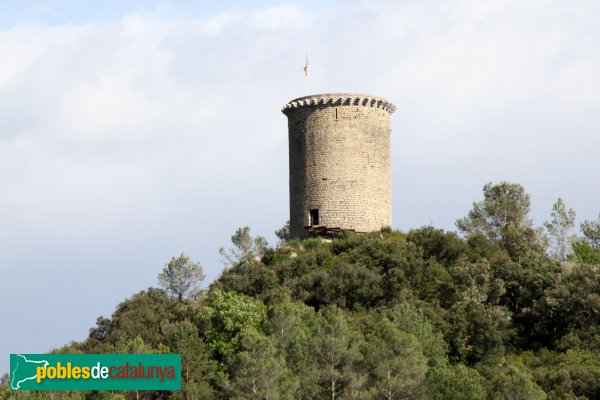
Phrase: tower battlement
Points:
(340, 99)
(339, 158)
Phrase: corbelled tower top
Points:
(340, 99)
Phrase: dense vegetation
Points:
(502, 311)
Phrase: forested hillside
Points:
(499, 310)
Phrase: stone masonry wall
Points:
(339, 157)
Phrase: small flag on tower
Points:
(306, 66)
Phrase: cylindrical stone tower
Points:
(340, 175)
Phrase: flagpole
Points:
(306, 87)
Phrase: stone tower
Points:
(340, 177)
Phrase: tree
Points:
(515, 385)
(336, 350)
(410, 319)
(394, 362)
(141, 315)
(134, 345)
(584, 252)
(478, 328)
(502, 218)
(446, 247)
(574, 374)
(225, 316)
(503, 204)
(292, 328)
(245, 248)
(283, 317)
(256, 370)
(283, 233)
(197, 369)
(343, 284)
(101, 330)
(570, 307)
(454, 382)
(478, 332)
(591, 231)
(181, 277)
(586, 249)
(560, 227)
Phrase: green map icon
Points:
(24, 369)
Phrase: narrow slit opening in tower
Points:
(314, 217)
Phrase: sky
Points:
(133, 131)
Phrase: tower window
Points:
(314, 217)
